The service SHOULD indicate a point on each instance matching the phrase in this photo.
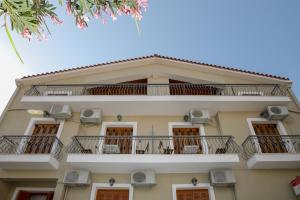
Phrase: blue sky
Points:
(257, 35)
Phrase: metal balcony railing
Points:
(157, 89)
(153, 145)
(271, 144)
(37, 144)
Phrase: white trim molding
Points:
(97, 186)
(105, 125)
(172, 125)
(279, 124)
(262, 160)
(207, 186)
(44, 120)
(30, 189)
(252, 121)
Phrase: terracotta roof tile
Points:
(157, 56)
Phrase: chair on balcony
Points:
(224, 149)
(164, 150)
(140, 150)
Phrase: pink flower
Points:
(143, 4)
(113, 16)
(56, 20)
(68, 8)
(110, 13)
(124, 9)
(137, 14)
(26, 33)
(81, 24)
(97, 14)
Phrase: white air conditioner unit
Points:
(199, 116)
(77, 178)
(91, 116)
(60, 111)
(275, 113)
(143, 178)
(222, 177)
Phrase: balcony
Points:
(30, 152)
(164, 154)
(157, 99)
(272, 151)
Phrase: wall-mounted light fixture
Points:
(45, 113)
(111, 181)
(194, 181)
(186, 118)
(35, 112)
(119, 117)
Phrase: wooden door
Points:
(271, 144)
(122, 136)
(186, 136)
(103, 194)
(42, 144)
(193, 194)
(27, 195)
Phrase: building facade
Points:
(149, 128)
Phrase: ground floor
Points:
(251, 184)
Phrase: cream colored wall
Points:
(149, 71)
(251, 184)
(4, 190)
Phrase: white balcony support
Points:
(124, 163)
(28, 162)
(156, 105)
(274, 161)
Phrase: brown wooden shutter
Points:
(176, 88)
(45, 129)
(194, 194)
(42, 144)
(181, 138)
(124, 143)
(271, 144)
(103, 194)
(119, 89)
(23, 195)
(27, 195)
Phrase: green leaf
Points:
(11, 41)
(137, 26)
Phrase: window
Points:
(116, 192)
(118, 137)
(33, 194)
(268, 134)
(202, 191)
(45, 131)
(186, 138)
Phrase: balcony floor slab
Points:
(28, 162)
(124, 163)
(274, 161)
(156, 105)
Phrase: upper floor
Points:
(167, 86)
(145, 118)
